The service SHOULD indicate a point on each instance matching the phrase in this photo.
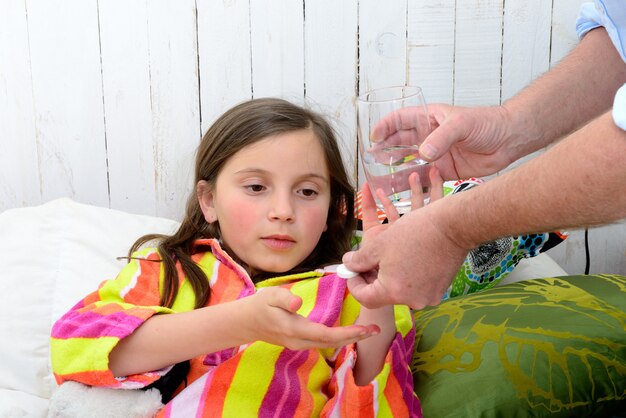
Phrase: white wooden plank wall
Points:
(105, 101)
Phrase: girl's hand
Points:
(370, 217)
(271, 317)
(371, 353)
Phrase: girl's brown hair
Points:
(245, 124)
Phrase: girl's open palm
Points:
(273, 319)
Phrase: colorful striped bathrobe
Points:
(258, 379)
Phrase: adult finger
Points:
(371, 295)
(364, 259)
(451, 131)
(398, 120)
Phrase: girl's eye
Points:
(308, 192)
(255, 188)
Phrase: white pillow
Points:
(50, 257)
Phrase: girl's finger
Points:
(436, 184)
(370, 216)
(417, 194)
(390, 209)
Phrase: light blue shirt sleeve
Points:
(611, 14)
(608, 13)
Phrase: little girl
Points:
(238, 313)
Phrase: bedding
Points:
(553, 347)
(54, 254)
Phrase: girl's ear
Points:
(205, 199)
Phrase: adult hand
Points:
(410, 261)
(273, 319)
(464, 142)
(414, 260)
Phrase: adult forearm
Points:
(577, 183)
(578, 89)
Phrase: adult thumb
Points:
(439, 141)
(361, 260)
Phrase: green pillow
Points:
(545, 347)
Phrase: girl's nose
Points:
(282, 208)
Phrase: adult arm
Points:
(469, 142)
(576, 183)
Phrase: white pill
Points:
(345, 273)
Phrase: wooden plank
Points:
(526, 44)
(128, 113)
(224, 56)
(382, 44)
(67, 91)
(478, 52)
(431, 27)
(19, 169)
(175, 101)
(277, 36)
(564, 38)
(382, 48)
(331, 48)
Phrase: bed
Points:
(548, 346)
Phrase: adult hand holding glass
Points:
(464, 142)
(388, 164)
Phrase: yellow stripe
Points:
(404, 320)
(384, 410)
(112, 288)
(307, 290)
(186, 298)
(70, 356)
(320, 374)
(350, 311)
(252, 379)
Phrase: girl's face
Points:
(271, 200)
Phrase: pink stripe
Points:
(283, 394)
(93, 325)
(329, 300)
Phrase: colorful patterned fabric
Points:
(258, 379)
(553, 347)
(488, 264)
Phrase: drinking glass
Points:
(388, 162)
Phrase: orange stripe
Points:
(214, 403)
(227, 287)
(393, 394)
(306, 404)
(356, 395)
(146, 290)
